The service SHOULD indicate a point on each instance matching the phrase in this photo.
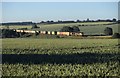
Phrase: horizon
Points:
(60, 20)
(66, 11)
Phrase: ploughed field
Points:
(60, 57)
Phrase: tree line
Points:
(60, 21)
(17, 23)
(77, 21)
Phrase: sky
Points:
(43, 11)
(60, 0)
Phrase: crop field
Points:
(89, 30)
(60, 57)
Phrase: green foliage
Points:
(76, 29)
(58, 46)
(116, 35)
(7, 33)
(70, 29)
(66, 29)
(34, 26)
(105, 69)
(108, 31)
(114, 20)
(60, 57)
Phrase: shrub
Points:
(76, 29)
(70, 29)
(34, 26)
(108, 31)
(6, 33)
(116, 35)
(67, 29)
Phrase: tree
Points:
(76, 29)
(59, 21)
(118, 21)
(88, 20)
(114, 20)
(34, 26)
(108, 31)
(67, 29)
(52, 21)
(6, 33)
(116, 35)
(70, 29)
(48, 21)
(42, 22)
(78, 20)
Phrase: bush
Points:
(108, 31)
(76, 29)
(70, 29)
(66, 29)
(116, 35)
(6, 33)
(34, 26)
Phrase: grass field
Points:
(60, 57)
(99, 29)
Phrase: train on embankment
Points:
(50, 32)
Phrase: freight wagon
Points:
(53, 32)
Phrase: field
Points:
(60, 57)
(89, 30)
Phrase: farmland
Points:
(60, 39)
(60, 57)
(89, 29)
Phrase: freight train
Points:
(51, 32)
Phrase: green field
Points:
(60, 57)
(89, 30)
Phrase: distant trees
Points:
(87, 20)
(42, 22)
(18, 23)
(50, 22)
(114, 20)
(78, 20)
(61, 21)
(70, 29)
(118, 21)
(34, 26)
(108, 31)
